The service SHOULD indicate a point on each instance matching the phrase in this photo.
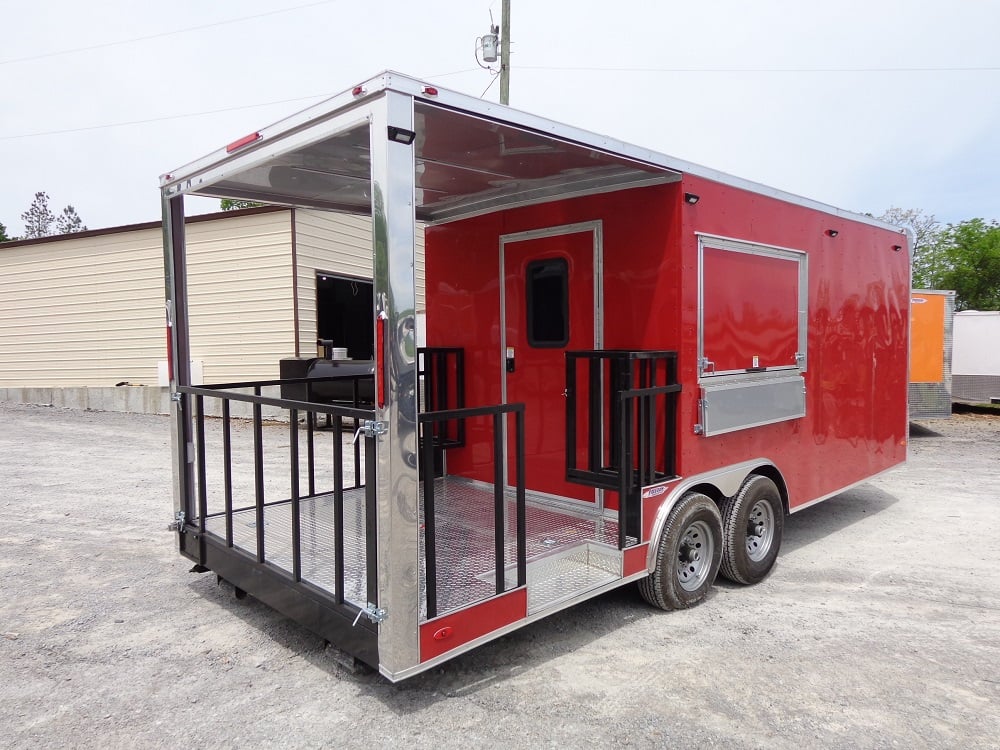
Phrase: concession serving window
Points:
(752, 334)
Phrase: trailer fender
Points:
(717, 484)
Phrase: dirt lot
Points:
(879, 627)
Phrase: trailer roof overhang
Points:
(470, 157)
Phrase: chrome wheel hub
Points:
(760, 530)
(694, 557)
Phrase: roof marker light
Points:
(244, 141)
(430, 91)
(358, 90)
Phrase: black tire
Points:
(688, 555)
(752, 524)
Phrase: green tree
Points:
(229, 204)
(3, 234)
(966, 258)
(926, 230)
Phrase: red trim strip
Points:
(244, 141)
(380, 362)
(448, 632)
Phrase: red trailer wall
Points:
(641, 288)
(856, 390)
(856, 399)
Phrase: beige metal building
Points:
(82, 313)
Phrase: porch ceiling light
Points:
(691, 198)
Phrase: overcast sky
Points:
(861, 104)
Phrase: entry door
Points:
(549, 292)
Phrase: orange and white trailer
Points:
(932, 325)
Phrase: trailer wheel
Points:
(752, 523)
(688, 556)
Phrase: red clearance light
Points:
(244, 141)
(380, 361)
(430, 91)
(358, 90)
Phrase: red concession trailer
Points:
(634, 369)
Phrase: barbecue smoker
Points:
(634, 369)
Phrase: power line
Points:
(164, 118)
(161, 34)
(159, 119)
(523, 67)
(575, 69)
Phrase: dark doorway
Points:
(345, 313)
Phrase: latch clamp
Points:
(373, 612)
(370, 428)
(178, 523)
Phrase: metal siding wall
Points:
(339, 244)
(90, 311)
(240, 296)
(82, 312)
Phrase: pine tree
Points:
(3, 234)
(38, 218)
(69, 222)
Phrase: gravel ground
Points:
(879, 627)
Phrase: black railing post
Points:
(200, 458)
(338, 507)
(310, 443)
(227, 469)
(293, 460)
(594, 416)
(258, 474)
(522, 535)
(625, 473)
(570, 395)
(500, 528)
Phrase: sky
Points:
(862, 105)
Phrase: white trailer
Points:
(976, 356)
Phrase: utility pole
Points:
(505, 52)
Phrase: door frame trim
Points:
(596, 230)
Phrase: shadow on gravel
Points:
(491, 664)
(920, 431)
(835, 514)
(517, 653)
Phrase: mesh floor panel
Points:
(569, 551)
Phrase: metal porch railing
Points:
(628, 417)
(275, 519)
(499, 415)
